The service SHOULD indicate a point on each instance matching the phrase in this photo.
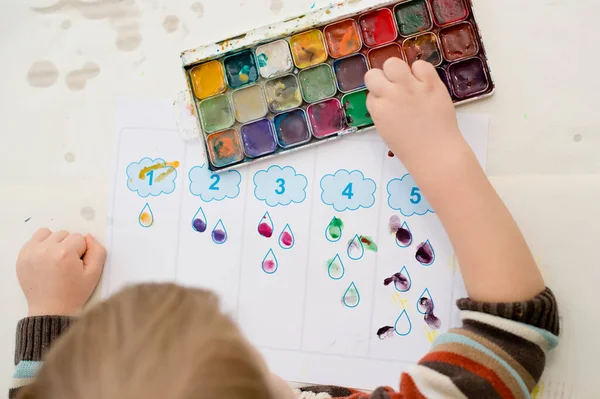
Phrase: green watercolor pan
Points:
(299, 83)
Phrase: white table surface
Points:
(62, 69)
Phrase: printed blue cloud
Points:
(405, 196)
(151, 177)
(211, 186)
(280, 186)
(348, 190)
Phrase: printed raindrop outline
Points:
(151, 215)
(432, 253)
(362, 248)
(426, 290)
(287, 226)
(357, 294)
(404, 312)
(411, 236)
(270, 251)
(341, 265)
(268, 216)
(327, 230)
(405, 269)
(200, 210)
(224, 231)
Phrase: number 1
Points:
(151, 176)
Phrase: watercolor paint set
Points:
(301, 82)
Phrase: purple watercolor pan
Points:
(281, 87)
(258, 138)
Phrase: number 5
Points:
(416, 193)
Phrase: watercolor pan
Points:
(300, 82)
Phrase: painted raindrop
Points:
(286, 238)
(270, 264)
(403, 325)
(334, 230)
(146, 217)
(351, 297)
(425, 254)
(425, 302)
(432, 321)
(335, 269)
(219, 233)
(199, 221)
(356, 249)
(403, 284)
(265, 226)
(404, 236)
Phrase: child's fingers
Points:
(424, 72)
(41, 234)
(75, 242)
(58, 236)
(94, 258)
(396, 70)
(376, 82)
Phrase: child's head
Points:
(156, 341)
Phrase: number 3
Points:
(281, 189)
(416, 193)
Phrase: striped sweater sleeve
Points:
(35, 336)
(499, 352)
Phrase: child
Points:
(157, 341)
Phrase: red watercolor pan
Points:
(378, 27)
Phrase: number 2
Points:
(217, 179)
(416, 193)
(151, 176)
(348, 192)
(281, 189)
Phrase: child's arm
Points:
(415, 116)
(510, 320)
(58, 273)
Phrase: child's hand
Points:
(412, 111)
(59, 271)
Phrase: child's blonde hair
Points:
(153, 341)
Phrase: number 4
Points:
(348, 192)
(416, 193)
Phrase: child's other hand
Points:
(59, 271)
(412, 111)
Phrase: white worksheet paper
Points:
(314, 310)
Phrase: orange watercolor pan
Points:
(343, 38)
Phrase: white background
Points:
(543, 154)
